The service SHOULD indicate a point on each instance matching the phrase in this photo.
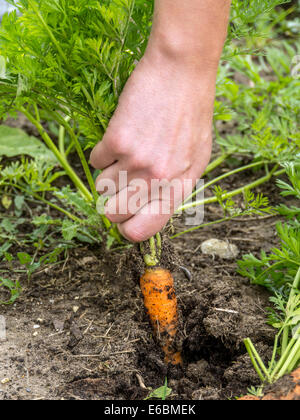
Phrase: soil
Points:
(79, 329)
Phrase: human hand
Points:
(161, 129)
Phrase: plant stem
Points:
(291, 359)
(233, 193)
(79, 150)
(285, 336)
(215, 163)
(227, 174)
(62, 160)
(225, 219)
(54, 206)
(152, 259)
(256, 360)
(61, 138)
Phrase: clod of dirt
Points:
(58, 324)
(219, 248)
(207, 393)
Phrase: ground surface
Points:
(79, 329)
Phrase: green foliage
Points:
(253, 204)
(74, 56)
(160, 393)
(14, 289)
(266, 106)
(276, 270)
(249, 20)
(15, 142)
(32, 265)
(280, 273)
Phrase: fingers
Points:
(126, 203)
(108, 182)
(102, 156)
(143, 224)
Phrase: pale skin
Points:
(162, 127)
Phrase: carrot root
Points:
(160, 301)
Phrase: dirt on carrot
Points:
(160, 301)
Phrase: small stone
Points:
(5, 381)
(58, 325)
(220, 248)
(35, 334)
(86, 260)
(36, 327)
(75, 309)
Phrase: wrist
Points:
(178, 51)
(195, 64)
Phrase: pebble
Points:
(5, 381)
(222, 249)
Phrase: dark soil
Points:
(79, 329)
(94, 340)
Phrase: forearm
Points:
(192, 31)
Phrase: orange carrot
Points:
(157, 286)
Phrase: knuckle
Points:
(138, 161)
(118, 143)
(159, 172)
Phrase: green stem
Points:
(152, 259)
(79, 150)
(295, 361)
(62, 160)
(285, 336)
(233, 193)
(61, 138)
(220, 178)
(274, 353)
(38, 197)
(215, 163)
(225, 219)
(158, 244)
(256, 360)
(292, 358)
(282, 359)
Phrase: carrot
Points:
(160, 301)
(287, 388)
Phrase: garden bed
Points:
(79, 329)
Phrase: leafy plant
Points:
(14, 289)
(280, 272)
(160, 393)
